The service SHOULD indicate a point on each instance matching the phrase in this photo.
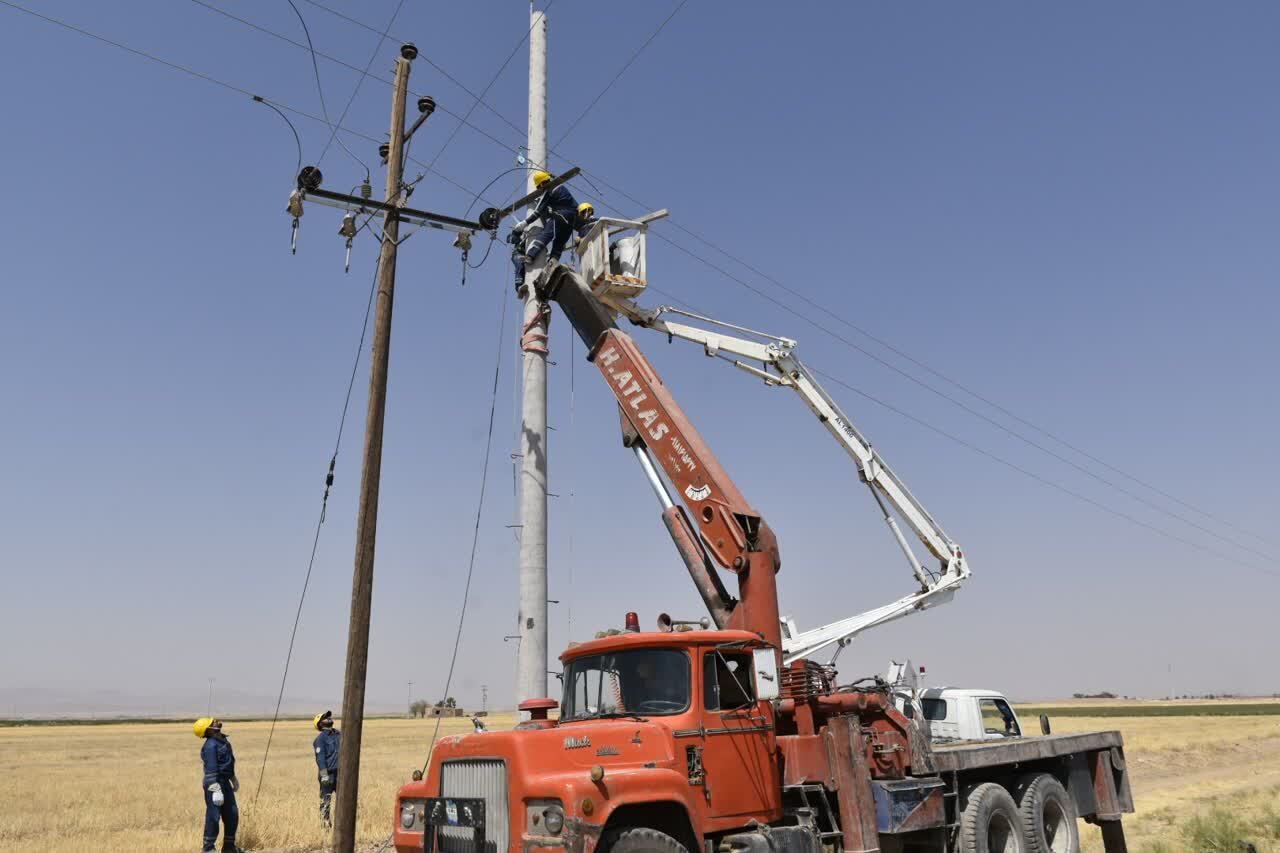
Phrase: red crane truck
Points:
(729, 737)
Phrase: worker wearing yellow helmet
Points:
(220, 785)
(326, 745)
(586, 219)
(557, 209)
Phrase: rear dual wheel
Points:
(1048, 815)
(990, 822)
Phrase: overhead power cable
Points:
(296, 140)
(963, 405)
(342, 63)
(382, 37)
(422, 58)
(315, 541)
(589, 175)
(634, 56)
(475, 535)
(324, 108)
(231, 87)
(1026, 472)
(465, 120)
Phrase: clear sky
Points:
(1071, 210)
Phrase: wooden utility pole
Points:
(531, 656)
(344, 826)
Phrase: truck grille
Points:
(485, 778)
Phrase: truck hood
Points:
(582, 743)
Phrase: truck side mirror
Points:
(1044, 724)
(766, 667)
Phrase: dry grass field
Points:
(137, 786)
(1188, 769)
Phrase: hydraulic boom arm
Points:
(728, 530)
(779, 366)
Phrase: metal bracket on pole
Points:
(342, 201)
(491, 217)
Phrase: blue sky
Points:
(1070, 210)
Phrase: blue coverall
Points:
(326, 745)
(219, 766)
(558, 210)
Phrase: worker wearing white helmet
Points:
(220, 785)
(326, 745)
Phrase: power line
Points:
(475, 535)
(465, 119)
(621, 71)
(421, 58)
(1046, 481)
(1013, 465)
(962, 405)
(296, 140)
(382, 37)
(315, 66)
(231, 87)
(342, 63)
(824, 329)
(315, 541)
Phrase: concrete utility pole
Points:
(344, 825)
(531, 667)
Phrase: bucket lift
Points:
(612, 265)
(612, 258)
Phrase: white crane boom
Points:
(781, 367)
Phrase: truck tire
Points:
(990, 823)
(639, 840)
(1048, 815)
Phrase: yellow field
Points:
(137, 787)
(1183, 766)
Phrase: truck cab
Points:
(666, 730)
(960, 713)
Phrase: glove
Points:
(216, 795)
(324, 776)
(235, 784)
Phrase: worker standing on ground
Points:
(220, 785)
(558, 211)
(326, 745)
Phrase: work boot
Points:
(229, 846)
(210, 845)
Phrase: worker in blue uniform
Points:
(585, 219)
(326, 746)
(220, 785)
(557, 209)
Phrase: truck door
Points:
(739, 738)
(998, 719)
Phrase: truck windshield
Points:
(639, 681)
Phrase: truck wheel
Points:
(990, 822)
(1048, 815)
(639, 840)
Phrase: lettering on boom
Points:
(632, 393)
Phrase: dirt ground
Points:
(136, 786)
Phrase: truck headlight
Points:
(553, 819)
(408, 816)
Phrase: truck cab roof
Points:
(654, 639)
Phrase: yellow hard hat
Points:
(320, 718)
(540, 177)
(201, 726)
(586, 207)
